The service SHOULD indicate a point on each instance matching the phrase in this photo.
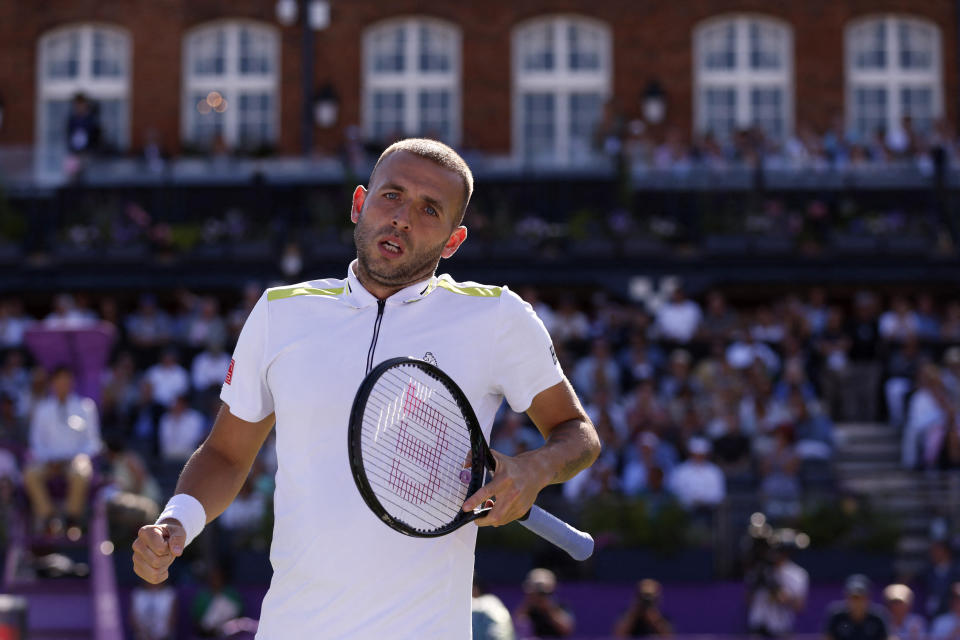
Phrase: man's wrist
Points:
(187, 512)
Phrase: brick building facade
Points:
(649, 40)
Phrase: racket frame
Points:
(481, 458)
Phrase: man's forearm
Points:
(212, 479)
(571, 447)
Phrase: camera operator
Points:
(777, 586)
(539, 611)
(644, 618)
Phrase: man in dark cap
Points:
(856, 618)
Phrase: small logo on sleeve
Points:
(553, 354)
(229, 377)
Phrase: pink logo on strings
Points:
(426, 455)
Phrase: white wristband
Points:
(189, 512)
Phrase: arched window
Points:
(230, 76)
(893, 69)
(92, 59)
(411, 80)
(562, 69)
(743, 76)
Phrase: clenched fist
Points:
(155, 549)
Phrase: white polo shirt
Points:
(338, 571)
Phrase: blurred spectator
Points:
(64, 434)
(36, 392)
(153, 611)
(243, 519)
(812, 430)
(863, 382)
(181, 429)
(951, 373)
(570, 324)
(643, 619)
(119, 394)
(678, 319)
(209, 367)
(491, 619)
(719, 320)
(539, 612)
(928, 324)
(598, 369)
(900, 322)
(732, 448)
(766, 327)
(698, 483)
(67, 315)
(856, 618)
(13, 323)
(744, 350)
(10, 483)
(950, 329)
(83, 134)
(779, 469)
(132, 494)
(927, 413)
(903, 624)
(168, 379)
(14, 376)
(13, 428)
(946, 626)
(939, 578)
(205, 326)
(901, 369)
(215, 604)
(815, 311)
(149, 326)
(833, 347)
(778, 591)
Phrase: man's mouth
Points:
(391, 247)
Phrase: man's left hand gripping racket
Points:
(417, 453)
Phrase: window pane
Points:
(537, 47)
(388, 49)
(870, 110)
(870, 46)
(719, 47)
(56, 113)
(539, 126)
(254, 112)
(436, 48)
(585, 45)
(109, 54)
(207, 122)
(720, 107)
(585, 111)
(916, 46)
(766, 45)
(255, 51)
(208, 52)
(387, 114)
(434, 112)
(917, 102)
(113, 123)
(766, 107)
(62, 54)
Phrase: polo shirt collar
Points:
(359, 297)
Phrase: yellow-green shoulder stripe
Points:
(289, 292)
(481, 291)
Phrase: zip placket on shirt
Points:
(381, 304)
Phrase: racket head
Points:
(411, 435)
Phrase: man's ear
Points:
(456, 239)
(359, 196)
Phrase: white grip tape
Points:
(551, 528)
(189, 512)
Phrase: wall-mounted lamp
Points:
(286, 12)
(317, 13)
(326, 107)
(654, 103)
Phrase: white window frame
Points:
(411, 80)
(893, 78)
(742, 78)
(95, 88)
(561, 81)
(231, 82)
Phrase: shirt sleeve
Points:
(245, 388)
(524, 360)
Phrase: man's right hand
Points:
(156, 547)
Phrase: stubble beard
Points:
(418, 265)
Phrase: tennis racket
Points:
(417, 452)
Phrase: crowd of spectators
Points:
(694, 399)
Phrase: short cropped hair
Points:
(439, 154)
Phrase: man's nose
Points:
(401, 218)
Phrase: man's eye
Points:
(431, 211)
(391, 195)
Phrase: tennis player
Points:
(338, 571)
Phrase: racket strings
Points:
(415, 444)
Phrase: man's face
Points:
(62, 384)
(406, 221)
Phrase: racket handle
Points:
(551, 528)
